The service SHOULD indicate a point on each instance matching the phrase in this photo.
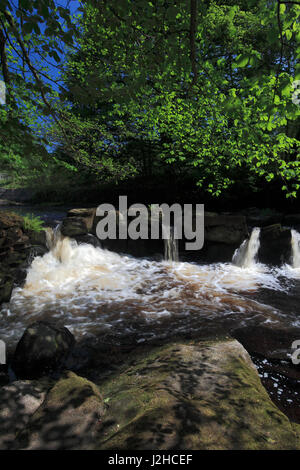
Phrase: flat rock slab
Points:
(198, 395)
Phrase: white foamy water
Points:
(245, 255)
(292, 271)
(95, 291)
(295, 249)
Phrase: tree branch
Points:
(3, 57)
(193, 26)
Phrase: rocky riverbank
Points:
(200, 393)
(183, 395)
(18, 246)
(223, 234)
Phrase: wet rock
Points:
(18, 402)
(275, 245)
(43, 348)
(15, 253)
(292, 220)
(38, 238)
(6, 287)
(194, 395)
(87, 214)
(69, 418)
(224, 228)
(262, 217)
(273, 343)
(271, 351)
(88, 239)
(74, 226)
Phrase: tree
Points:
(215, 78)
(33, 36)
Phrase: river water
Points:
(97, 293)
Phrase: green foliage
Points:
(32, 222)
(146, 95)
(135, 107)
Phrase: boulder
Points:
(38, 238)
(275, 245)
(74, 226)
(43, 348)
(86, 214)
(69, 418)
(194, 395)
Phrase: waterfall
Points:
(52, 236)
(295, 249)
(171, 245)
(245, 255)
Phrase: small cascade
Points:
(52, 236)
(295, 248)
(245, 255)
(171, 246)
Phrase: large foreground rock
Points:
(183, 396)
(43, 347)
(204, 395)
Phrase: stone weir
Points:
(223, 234)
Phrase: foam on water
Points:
(91, 289)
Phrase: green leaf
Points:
(241, 61)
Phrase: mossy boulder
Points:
(198, 395)
(44, 347)
(69, 417)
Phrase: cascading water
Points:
(245, 255)
(171, 246)
(52, 236)
(96, 292)
(295, 248)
